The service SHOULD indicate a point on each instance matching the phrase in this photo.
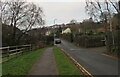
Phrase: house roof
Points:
(68, 30)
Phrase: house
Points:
(68, 30)
(48, 33)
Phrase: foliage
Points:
(7, 34)
(75, 28)
(20, 14)
(90, 40)
(115, 22)
(101, 10)
(68, 37)
(85, 40)
(90, 25)
(58, 31)
(73, 21)
(112, 42)
(49, 40)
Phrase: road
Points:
(92, 61)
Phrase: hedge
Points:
(89, 40)
(85, 40)
(96, 40)
(113, 42)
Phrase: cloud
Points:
(63, 11)
(55, 0)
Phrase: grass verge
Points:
(64, 64)
(22, 64)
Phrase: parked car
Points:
(57, 41)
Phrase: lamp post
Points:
(54, 20)
(119, 5)
(54, 31)
(111, 30)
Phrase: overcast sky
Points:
(64, 11)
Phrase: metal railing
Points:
(10, 52)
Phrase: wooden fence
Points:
(10, 52)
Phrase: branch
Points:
(114, 6)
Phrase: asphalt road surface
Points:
(92, 61)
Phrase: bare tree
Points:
(103, 11)
(97, 9)
(73, 21)
(20, 14)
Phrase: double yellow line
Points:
(79, 66)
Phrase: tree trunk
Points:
(19, 38)
(13, 36)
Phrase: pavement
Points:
(92, 61)
(45, 64)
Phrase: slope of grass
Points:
(64, 65)
(22, 64)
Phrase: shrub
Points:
(85, 40)
(113, 42)
(90, 41)
(68, 37)
(49, 40)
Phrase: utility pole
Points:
(54, 20)
(54, 31)
(105, 26)
(119, 5)
(111, 25)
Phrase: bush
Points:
(113, 37)
(49, 40)
(44, 42)
(85, 40)
(89, 41)
(68, 37)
